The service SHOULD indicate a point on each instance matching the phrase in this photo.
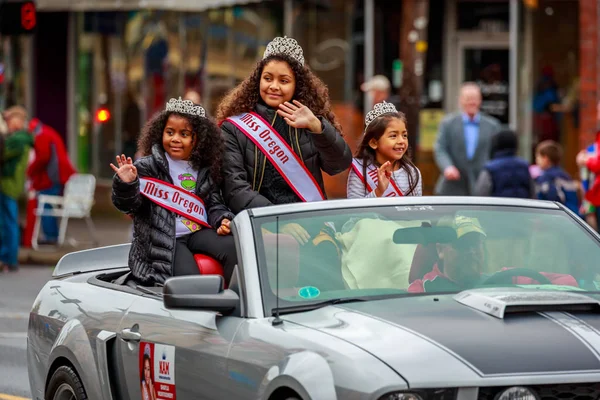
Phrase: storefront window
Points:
(489, 68)
(14, 70)
(323, 32)
(131, 63)
(483, 16)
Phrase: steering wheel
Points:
(507, 275)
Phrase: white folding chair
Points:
(76, 202)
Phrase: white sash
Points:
(280, 154)
(371, 182)
(175, 199)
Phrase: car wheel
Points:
(65, 385)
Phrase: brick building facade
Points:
(589, 28)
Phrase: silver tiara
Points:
(378, 110)
(287, 46)
(185, 107)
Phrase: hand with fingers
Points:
(299, 116)
(225, 228)
(126, 171)
(384, 174)
(297, 232)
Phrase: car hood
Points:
(528, 336)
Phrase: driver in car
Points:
(461, 261)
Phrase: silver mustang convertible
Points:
(384, 299)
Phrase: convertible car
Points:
(426, 298)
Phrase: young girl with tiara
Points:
(173, 196)
(382, 167)
(280, 133)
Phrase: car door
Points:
(183, 352)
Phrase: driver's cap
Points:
(464, 225)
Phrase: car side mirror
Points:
(199, 292)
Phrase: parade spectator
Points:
(463, 144)
(49, 171)
(15, 157)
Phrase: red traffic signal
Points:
(28, 17)
(17, 18)
(102, 115)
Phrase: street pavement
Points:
(110, 230)
(17, 293)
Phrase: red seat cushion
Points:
(425, 258)
(209, 266)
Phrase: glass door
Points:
(487, 64)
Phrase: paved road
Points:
(17, 293)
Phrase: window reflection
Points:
(133, 62)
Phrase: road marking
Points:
(14, 315)
(4, 396)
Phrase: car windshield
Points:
(367, 253)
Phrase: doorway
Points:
(487, 64)
(477, 48)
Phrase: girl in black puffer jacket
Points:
(173, 196)
(280, 133)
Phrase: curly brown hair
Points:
(310, 91)
(367, 155)
(208, 148)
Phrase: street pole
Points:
(369, 46)
(288, 18)
(513, 64)
(413, 50)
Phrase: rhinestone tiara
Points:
(287, 46)
(378, 110)
(185, 107)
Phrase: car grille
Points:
(572, 391)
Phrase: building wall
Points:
(589, 69)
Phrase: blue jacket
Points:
(510, 175)
(555, 184)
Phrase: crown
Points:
(378, 110)
(185, 107)
(287, 46)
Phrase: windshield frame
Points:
(271, 302)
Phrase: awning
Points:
(116, 5)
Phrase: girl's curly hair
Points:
(367, 155)
(310, 91)
(207, 151)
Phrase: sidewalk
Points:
(110, 230)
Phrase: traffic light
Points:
(102, 115)
(531, 3)
(17, 17)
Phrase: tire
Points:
(64, 385)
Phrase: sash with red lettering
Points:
(371, 182)
(175, 199)
(280, 154)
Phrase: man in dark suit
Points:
(463, 144)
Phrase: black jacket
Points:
(153, 246)
(250, 180)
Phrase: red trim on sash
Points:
(270, 157)
(178, 212)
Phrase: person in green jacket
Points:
(15, 158)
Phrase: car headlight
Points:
(402, 396)
(517, 393)
(427, 394)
